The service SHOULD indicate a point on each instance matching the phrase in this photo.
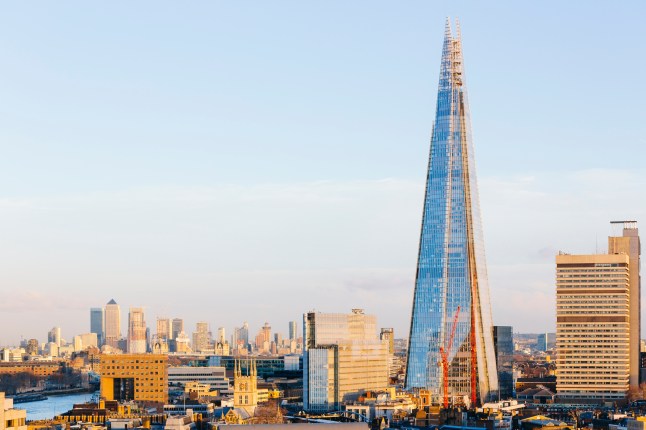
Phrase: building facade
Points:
(451, 288)
(629, 244)
(84, 341)
(596, 321)
(541, 342)
(245, 387)
(136, 331)
(214, 377)
(177, 327)
(54, 335)
(503, 340)
(388, 336)
(142, 378)
(163, 329)
(343, 357)
(97, 324)
(112, 324)
(293, 330)
(202, 341)
(11, 418)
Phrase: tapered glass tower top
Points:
(451, 344)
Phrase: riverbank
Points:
(54, 405)
(67, 391)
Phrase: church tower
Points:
(245, 387)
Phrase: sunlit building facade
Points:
(112, 324)
(342, 358)
(451, 281)
(597, 321)
(142, 378)
(136, 331)
(163, 329)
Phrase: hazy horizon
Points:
(252, 162)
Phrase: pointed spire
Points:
(458, 33)
(447, 29)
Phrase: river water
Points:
(54, 405)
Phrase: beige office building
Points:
(112, 324)
(163, 329)
(343, 358)
(597, 328)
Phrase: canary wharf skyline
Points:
(267, 160)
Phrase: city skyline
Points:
(288, 158)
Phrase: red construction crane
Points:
(444, 354)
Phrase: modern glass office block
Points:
(451, 289)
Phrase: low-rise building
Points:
(142, 378)
(10, 418)
(214, 376)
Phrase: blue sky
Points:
(272, 154)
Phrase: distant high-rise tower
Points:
(541, 342)
(503, 340)
(54, 336)
(388, 335)
(451, 280)
(202, 337)
(136, 331)
(293, 330)
(163, 329)
(112, 324)
(598, 321)
(177, 327)
(97, 324)
(241, 336)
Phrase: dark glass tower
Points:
(503, 340)
(451, 299)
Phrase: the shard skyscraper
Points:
(451, 351)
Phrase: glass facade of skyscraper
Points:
(97, 324)
(451, 282)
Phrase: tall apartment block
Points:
(136, 331)
(342, 358)
(97, 324)
(112, 324)
(451, 319)
(598, 320)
